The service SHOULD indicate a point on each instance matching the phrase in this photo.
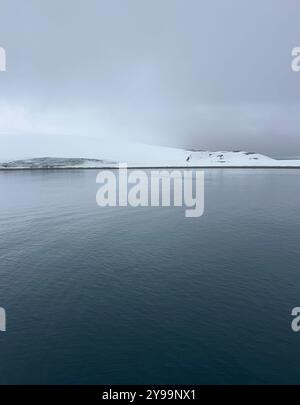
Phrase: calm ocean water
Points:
(144, 295)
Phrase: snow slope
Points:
(74, 152)
(237, 159)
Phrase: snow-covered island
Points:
(236, 159)
(185, 158)
(55, 163)
(48, 153)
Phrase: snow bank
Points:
(91, 152)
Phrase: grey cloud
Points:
(197, 73)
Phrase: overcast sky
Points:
(208, 74)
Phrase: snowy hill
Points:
(77, 152)
(236, 159)
(55, 163)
